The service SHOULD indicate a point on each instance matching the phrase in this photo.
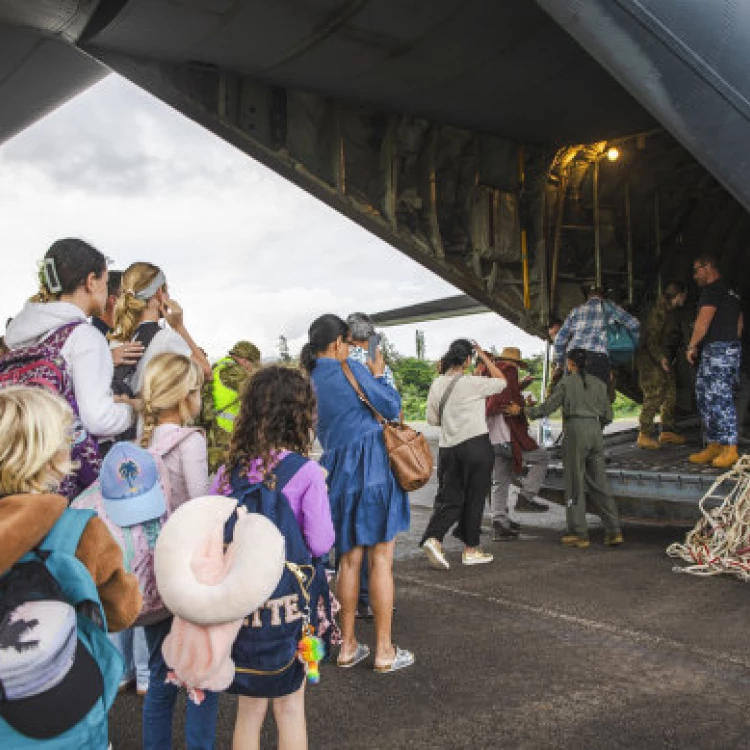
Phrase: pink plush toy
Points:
(211, 591)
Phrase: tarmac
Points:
(545, 647)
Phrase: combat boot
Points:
(671, 438)
(708, 454)
(727, 458)
(646, 441)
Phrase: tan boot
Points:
(727, 458)
(647, 442)
(671, 438)
(708, 454)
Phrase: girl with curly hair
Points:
(276, 419)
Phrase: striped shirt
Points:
(584, 328)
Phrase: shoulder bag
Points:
(408, 451)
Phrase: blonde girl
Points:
(171, 401)
(143, 303)
(35, 438)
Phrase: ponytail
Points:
(323, 332)
(308, 358)
(131, 304)
(578, 358)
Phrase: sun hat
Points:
(130, 488)
(49, 679)
(512, 354)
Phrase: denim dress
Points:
(368, 505)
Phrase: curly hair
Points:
(277, 412)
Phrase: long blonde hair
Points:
(129, 309)
(168, 381)
(35, 439)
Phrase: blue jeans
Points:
(200, 721)
(131, 644)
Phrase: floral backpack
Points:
(42, 365)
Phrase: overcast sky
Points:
(247, 254)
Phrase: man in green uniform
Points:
(221, 398)
(655, 362)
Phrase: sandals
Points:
(402, 659)
(360, 654)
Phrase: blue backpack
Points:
(621, 341)
(265, 651)
(73, 583)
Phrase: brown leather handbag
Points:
(408, 451)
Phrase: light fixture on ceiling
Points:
(613, 153)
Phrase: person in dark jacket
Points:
(513, 447)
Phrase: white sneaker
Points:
(434, 551)
(476, 557)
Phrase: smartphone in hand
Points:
(372, 346)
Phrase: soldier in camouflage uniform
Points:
(655, 368)
(221, 398)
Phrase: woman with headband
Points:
(143, 303)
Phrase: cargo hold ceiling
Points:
(497, 67)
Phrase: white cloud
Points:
(247, 254)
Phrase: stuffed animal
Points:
(209, 590)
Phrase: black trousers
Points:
(464, 481)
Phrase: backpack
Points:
(138, 542)
(43, 365)
(53, 572)
(122, 380)
(621, 341)
(265, 651)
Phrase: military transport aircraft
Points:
(517, 148)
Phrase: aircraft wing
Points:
(448, 307)
(37, 74)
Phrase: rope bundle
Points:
(720, 541)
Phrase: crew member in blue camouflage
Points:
(718, 333)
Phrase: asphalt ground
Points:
(545, 647)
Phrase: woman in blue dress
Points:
(368, 506)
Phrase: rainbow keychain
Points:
(311, 650)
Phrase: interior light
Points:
(613, 154)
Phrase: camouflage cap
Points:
(246, 350)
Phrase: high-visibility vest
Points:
(226, 400)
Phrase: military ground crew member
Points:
(655, 368)
(586, 410)
(221, 398)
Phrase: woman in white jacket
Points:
(76, 291)
(73, 287)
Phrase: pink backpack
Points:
(138, 542)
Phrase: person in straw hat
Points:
(513, 447)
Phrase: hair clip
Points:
(49, 274)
